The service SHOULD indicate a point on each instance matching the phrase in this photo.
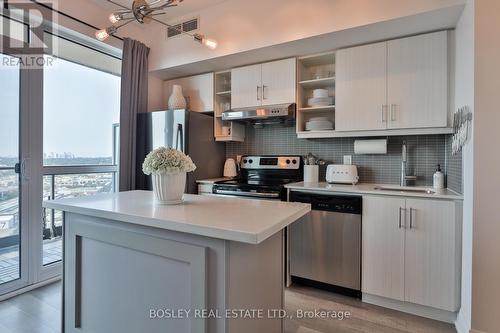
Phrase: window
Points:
(81, 98)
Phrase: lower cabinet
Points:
(411, 250)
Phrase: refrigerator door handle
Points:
(179, 139)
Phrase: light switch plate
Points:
(348, 159)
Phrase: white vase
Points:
(176, 101)
(169, 188)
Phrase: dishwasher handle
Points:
(332, 203)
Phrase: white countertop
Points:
(247, 221)
(366, 188)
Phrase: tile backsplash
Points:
(424, 153)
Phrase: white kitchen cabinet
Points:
(399, 84)
(263, 84)
(383, 247)
(431, 257)
(360, 88)
(278, 82)
(246, 86)
(417, 81)
(198, 91)
(411, 250)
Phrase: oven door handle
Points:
(248, 194)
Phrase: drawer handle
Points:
(411, 217)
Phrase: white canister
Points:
(176, 101)
(311, 173)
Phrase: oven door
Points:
(247, 195)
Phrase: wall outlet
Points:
(348, 159)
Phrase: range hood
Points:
(267, 115)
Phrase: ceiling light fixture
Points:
(143, 11)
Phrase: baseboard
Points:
(476, 331)
(415, 309)
(29, 288)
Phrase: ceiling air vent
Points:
(186, 26)
(174, 30)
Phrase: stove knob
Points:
(250, 161)
(287, 161)
(245, 161)
(294, 161)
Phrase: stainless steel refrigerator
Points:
(188, 131)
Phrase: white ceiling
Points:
(184, 8)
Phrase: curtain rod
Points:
(70, 17)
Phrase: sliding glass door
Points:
(58, 139)
(12, 178)
(81, 113)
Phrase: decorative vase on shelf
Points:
(169, 188)
(176, 100)
(168, 168)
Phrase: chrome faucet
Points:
(404, 161)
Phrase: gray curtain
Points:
(134, 100)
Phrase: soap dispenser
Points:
(438, 180)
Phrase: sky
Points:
(80, 106)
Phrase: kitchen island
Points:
(210, 264)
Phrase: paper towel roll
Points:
(370, 146)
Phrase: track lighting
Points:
(144, 11)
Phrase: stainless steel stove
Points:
(262, 177)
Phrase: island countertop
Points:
(241, 220)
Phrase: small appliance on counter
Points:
(230, 170)
(342, 174)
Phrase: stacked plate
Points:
(320, 98)
(319, 124)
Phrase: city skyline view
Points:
(65, 84)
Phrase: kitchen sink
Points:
(422, 190)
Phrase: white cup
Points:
(311, 173)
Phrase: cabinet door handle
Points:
(401, 209)
(411, 217)
(264, 92)
(384, 112)
(258, 93)
(393, 112)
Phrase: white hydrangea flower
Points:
(166, 160)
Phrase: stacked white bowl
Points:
(320, 98)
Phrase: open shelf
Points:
(222, 101)
(317, 108)
(318, 83)
(315, 72)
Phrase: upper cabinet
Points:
(263, 84)
(198, 91)
(417, 81)
(399, 84)
(246, 86)
(361, 89)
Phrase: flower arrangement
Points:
(167, 161)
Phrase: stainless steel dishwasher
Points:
(325, 245)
